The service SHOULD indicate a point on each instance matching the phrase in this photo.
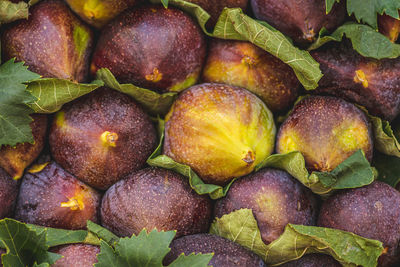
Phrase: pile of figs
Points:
(88, 160)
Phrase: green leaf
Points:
(165, 3)
(51, 94)
(24, 245)
(388, 168)
(353, 172)
(156, 159)
(329, 5)
(10, 12)
(102, 233)
(365, 40)
(146, 250)
(297, 240)
(154, 103)
(14, 100)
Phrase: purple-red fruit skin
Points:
(76, 255)
(8, 194)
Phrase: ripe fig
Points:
(152, 47)
(8, 194)
(313, 260)
(76, 255)
(226, 252)
(53, 42)
(276, 199)
(102, 137)
(389, 26)
(326, 130)
(245, 65)
(300, 20)
(371, 211)
(14, 160)
(50, 196)
(99, 12)
(220, 131)
(374, 84)
(155, 198)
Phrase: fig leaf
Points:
(388, 168)
(10, 12)
(297, 240)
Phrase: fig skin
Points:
(152, 34)
(326, 130)
(102, 137)
(374, 84)
(220, 131)
(53, 197)
(53, 42)
(99, 12)
(313, 260)
(276, 199)
(245, 65)
(389, 26)
(301, 20)
(8, 194)
(226, 252)
(370, 211)
(155, 198)
(76, 255)
(14, 160)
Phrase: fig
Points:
(8, 194)
(50, 196)
(15, 159)
(313, 260)
(76, 255)
(99, 12)
(374, 84)
(300, 20)
(102, 137)
(155, 198)
(226, 252)
(389, 26)
(152, 47)
(53, 42)
(220, 131)
(371, 211)
(276, 199)
(245, 65)
(326, 130)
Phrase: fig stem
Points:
(73, 203)
(109, 139)
(249, 157)
(360, 77)
(156, 76)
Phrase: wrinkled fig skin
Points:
(138, 46)
(53, 42)
(15, 159)
(326, 130)
(276, 200)
(76, 255)
(389, 26)
(226, 252)
(371, 83)
(371, 211)
(8, 194)
(54, 198)
(99, 12)
(220, 131)
(102, 137)
(245, 65)
(313, 260)
(301, 20)
(155, 198)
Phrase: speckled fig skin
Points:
(76, 255)
(220, 131)
(15, 159)
(152, 47)
(77, 137)
(371, 211)
(374, 84)
(8, 194)
(53, 42)
(301, 20)
(245, 65)
(99, 12)
(326, 130)
(313, 260)
(389, 26)
(53, 197)
(276, 199)
(155, 198)
(226, 252)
